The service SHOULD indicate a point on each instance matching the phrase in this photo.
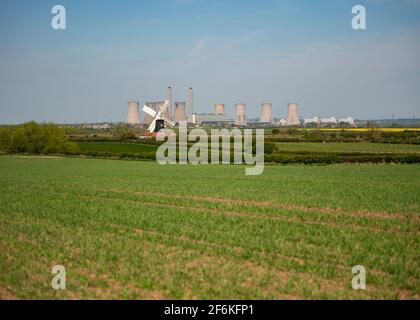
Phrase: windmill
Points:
(159, 118)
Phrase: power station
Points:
(184, 111)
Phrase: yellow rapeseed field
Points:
(365, 129)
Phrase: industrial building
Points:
(333, 121)
(184, 111)
(217, 118)
(209, 119)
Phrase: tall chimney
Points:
(190, 101)
(170, 102)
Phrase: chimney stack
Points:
(190, 101)
(170, 102)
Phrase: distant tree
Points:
(124, 132)
(5, 138)
(275, 131)
(35, 138)
(311, 125)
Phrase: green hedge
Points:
(342, 158)
(34, 138)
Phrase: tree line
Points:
(35, 138)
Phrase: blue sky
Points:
(228, 51)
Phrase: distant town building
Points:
(97, 126)
(348, 120)
(333, 121)
(282, 122)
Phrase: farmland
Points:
(130, 229)
(115, 147)
(361, 147)
(364, 147)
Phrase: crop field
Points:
(134, 229)
(119, 147)
(115, 147)
(348, 147)
(363, 129)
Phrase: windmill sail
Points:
(158, 116)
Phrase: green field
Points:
(116, 147)
(348, 147)
(128, 229)
(313, 147)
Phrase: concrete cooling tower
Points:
(133, 116)
(293, 118)
(147, 118)
(219, 108)
(240, 114)
(266, 114)
(180, 114)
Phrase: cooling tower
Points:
(147, 118)
(160, 105)
(180, 114)
(266, 114)
(190, 101)
(219, 108)
(293, 118)
(133, 116)
(240, 115)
